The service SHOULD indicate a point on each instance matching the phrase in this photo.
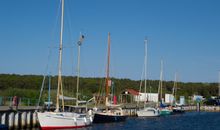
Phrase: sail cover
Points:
(66, 98)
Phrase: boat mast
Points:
(161, 81)
(78, 68)
(145, 68)
(174, 88)
(59, 87)
(107, 73)
(49, 91)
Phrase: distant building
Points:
(128, 96)
(182, 100)
(169, 98)
(153, 97)
(198, 98)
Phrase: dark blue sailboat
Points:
(112, 113)
(106, 117)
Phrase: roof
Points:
(132, 92)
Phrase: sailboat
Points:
(177, 109)
(59, 119)
(147, 111)
(164, 110)
(80, 106)
(112, 112)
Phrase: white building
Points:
(182, 100)
(169, 98)
(147, 97)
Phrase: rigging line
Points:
(71, 39)
(41, 91)
(100, 94)
(44, 78)
(55, 27)
(69, 22)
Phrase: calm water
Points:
(189, 120)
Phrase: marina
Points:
(50, 80)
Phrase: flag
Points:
(109, 83)
(81, 38)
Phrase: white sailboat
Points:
(147, 111)
(60, 119)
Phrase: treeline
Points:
(29, 86)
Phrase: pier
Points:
(132, 111)
(202, 108)
(23, 118)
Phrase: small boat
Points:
(165, 111)
(112, 112)
(148, 112)
(178, 110)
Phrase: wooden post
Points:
(198, 106)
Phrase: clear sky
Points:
(184, 33)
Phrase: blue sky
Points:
(184, 33)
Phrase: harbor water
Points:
(188, 120)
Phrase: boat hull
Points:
(164, 112)
(178, 110)
(3, 127)
(104, 118)
(150, 112)
(62, 120)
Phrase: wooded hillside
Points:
(29, 86)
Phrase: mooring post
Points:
(16, 121)
(34, 119)
(198, 106)
(11, 119)
(24, 120)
